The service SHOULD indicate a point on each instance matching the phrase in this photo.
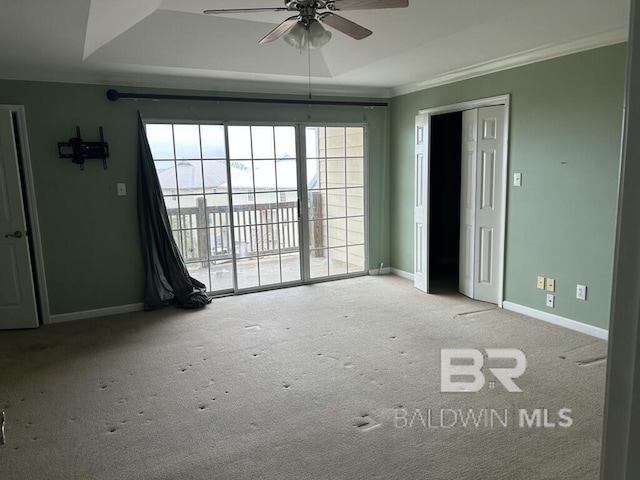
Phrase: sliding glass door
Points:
(232, 194)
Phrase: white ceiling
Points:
(170, 43)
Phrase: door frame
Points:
(460, 107)
(32, 221)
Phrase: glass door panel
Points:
(335, 193)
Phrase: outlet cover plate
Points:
(551, 300)
(551, 285)
(581, 292)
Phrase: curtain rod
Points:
(114, 95)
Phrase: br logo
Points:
(468, 366)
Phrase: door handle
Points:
(16, 234)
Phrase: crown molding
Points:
(516, 60)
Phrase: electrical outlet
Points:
(551, 300)
(121, 189)
(581, 292)
(551, 285)
(541, 283)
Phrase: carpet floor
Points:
(337, 380)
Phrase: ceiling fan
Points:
(304, 30)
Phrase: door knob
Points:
(16, 234)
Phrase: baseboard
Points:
(557, 320)
(402, 274)
(377, 271)
(100, 312)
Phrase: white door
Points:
(467, 201)
(17, 297)
(421, 206)
(489, 204)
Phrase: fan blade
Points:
(365, 4)
(345, 26)
(245, 10)
(280, 30)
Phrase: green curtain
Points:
(168, 281)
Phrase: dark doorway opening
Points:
(445, 179)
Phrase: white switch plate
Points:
(122, 189)
(551, 300)
(581, 292)
(517, 179)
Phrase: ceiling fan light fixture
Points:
(309, 37)
(318, 36)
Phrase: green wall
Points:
(91, 246)
(566, 119)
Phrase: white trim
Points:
(402, 274)
(100, 312)
(516, 60)
(480, 103)
(33, 223)
(378, 271)
(557, 320)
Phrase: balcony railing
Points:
(203, 232)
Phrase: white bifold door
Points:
(17, 297)
(481, 202)
(481, 205)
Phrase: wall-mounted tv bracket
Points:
(81, 151)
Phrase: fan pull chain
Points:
(309, 64)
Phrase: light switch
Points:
(581, 292)
(122, 189)
(517, 179)
(541, 283)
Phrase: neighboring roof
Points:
(215, 175)
(190, 175)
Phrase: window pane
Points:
(190, 177)
(355, 172)
(240, 142)
(160, 139)
(336, 172)
(187, 139)
(318, 234)
(222, 275)
(215, 175)
(336, 203)
(288, 210)
(247, 272)
(337, 232)
(355, 230)
(265, 175)
(263, 142)
(290, 267)
(356, 258)
(218, 210)
(317, 207)
(167, 176)
(213, 141)
(287, 174)
(269, 270)
(316, 173)
(219, 243)
(288, 236)
(337, 261)
(312, 137)
(355, 202)
(318, 263)
(242, 176)
(285, 142)
(355, 142)
(336, 142)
